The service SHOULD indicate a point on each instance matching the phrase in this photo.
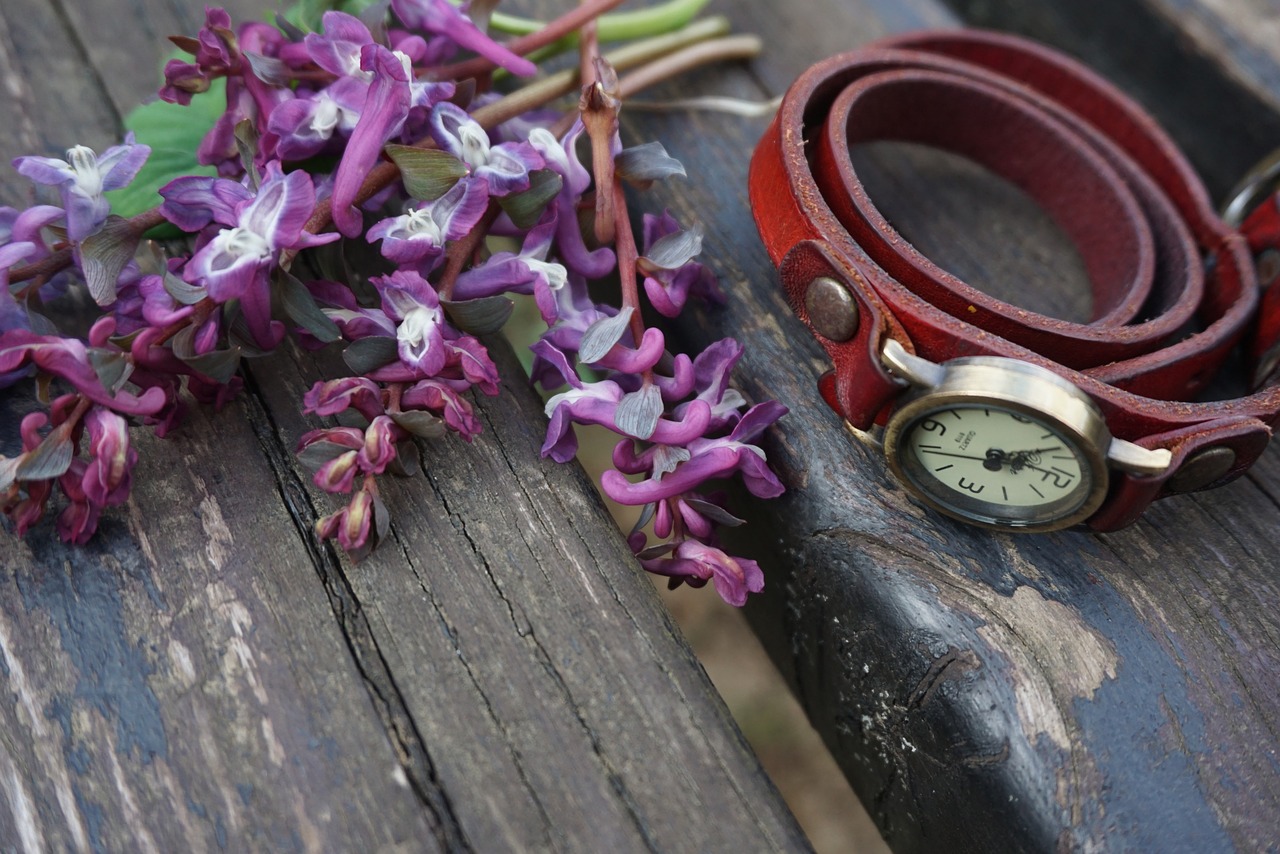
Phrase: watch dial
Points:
(995, 465)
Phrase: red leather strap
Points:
(1104, 171)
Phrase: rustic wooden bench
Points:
(501, 676)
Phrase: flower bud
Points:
(379, 445)
(109, 472)
(339, 474)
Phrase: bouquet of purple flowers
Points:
(364, 188)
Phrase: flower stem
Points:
(688, 58)
(625, 248)
(588, 51)
(461, 250)
(617, 26)
(560, 27)
(538, 94)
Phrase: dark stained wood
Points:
(987, 692)
(1207, 69)
(500, 676)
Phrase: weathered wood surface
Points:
(499, 676)
(987, 692)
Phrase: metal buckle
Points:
(1254, 188)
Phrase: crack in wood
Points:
(388, 700)
(952, 664)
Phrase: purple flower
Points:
(338, 46)
(79, 519)
(385, 108)
(441, 16)
(669, 289)
(237, 262)
(82, 179)
(216, 52)
(411, 301)
(712, 368)
(525, 273)
(696, 563)
(597, 403)
(709, 458)
(109, 471)
(355, 525)
(441, 398)
(305, 125)
(418, 237)
(505, 166)
(194, 201)
(358, 393)
(351, 452)
(67, 358)
(12, 315)
(562, 158)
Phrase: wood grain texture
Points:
(500, 676)
(984, 691)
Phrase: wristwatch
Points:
(991, 413)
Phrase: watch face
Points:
(998, 442)
(992, 464)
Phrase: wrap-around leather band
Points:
(1174, 288)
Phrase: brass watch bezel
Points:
(1021, 388)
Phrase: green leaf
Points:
(408, 461)
(428, 173)
(672, 251)
(638, 412)
(268, 69)
(302, 309)
(174, 132)
(306, 14)
(218, 365)
(659, 550)
(112, 367)
(714, 512)
(525, 208)
(643, 164)
(479, 316)
(365, 355)
(420, 423)
(316, 454)
(51, 458)
(182, 292)
(246, 136)
(602, 335)
(103, 255)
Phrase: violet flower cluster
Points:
(475, 216)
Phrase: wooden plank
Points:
(984, 691)
(500, 677)
(1207, 69)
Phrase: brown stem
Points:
(625, 248)
(588, 50)
(460, 251)
(552, 32)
